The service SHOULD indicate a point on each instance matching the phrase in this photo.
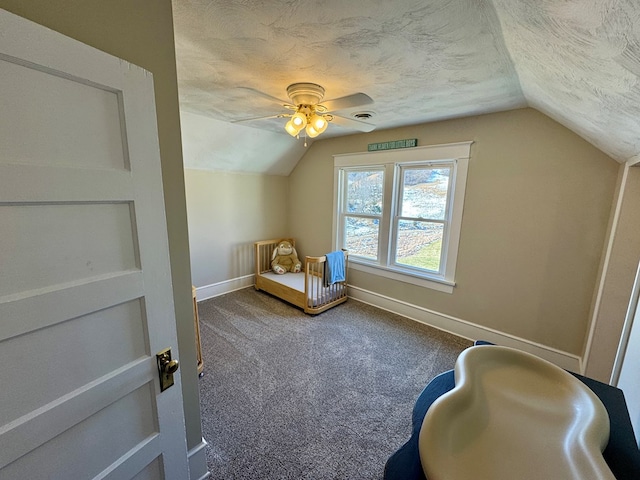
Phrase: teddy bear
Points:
(285, 258)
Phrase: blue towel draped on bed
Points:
(334, 268)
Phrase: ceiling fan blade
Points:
(352, 123)
(279, 115)
(350, 101)
(266, 95)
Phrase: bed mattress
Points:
(291, 280)
(317, 292)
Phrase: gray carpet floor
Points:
(285, 395)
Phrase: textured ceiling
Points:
(577, 61)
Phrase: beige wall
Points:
(617, 280)
(536, 210)
(141, 32)
(228, 212)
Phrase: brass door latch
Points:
(166, 368)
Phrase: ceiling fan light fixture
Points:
(299, 120)
(318, 123)
(311, 117)
(292, 129)
(312, 132)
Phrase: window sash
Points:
(345, 181)
(345, 214)
(404, 265)
(350, 245)
(401, 170)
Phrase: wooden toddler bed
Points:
(306, 289)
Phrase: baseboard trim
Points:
(465, 329)
(226, 286)
(198, 469)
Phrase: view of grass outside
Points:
(420, 245)
(428, 257)
(419, 224)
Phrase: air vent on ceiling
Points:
(363, 115)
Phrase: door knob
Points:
(169, 367)
(166, 368)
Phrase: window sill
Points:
(440, 285)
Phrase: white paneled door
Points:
(85, 288)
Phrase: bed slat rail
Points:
(264, 251)
(320, 296)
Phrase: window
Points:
(399, 212)
(363, 211)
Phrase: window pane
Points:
(361, 237)
(364, 192)
(424, 192)
(419, 244)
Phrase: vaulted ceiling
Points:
(577, 61)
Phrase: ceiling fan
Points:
(311, 115)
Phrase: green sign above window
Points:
(409, 142)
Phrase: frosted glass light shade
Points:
(318, 123)
(312, 132)
(299, 120)
(291, 129)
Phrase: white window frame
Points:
(454, 154)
